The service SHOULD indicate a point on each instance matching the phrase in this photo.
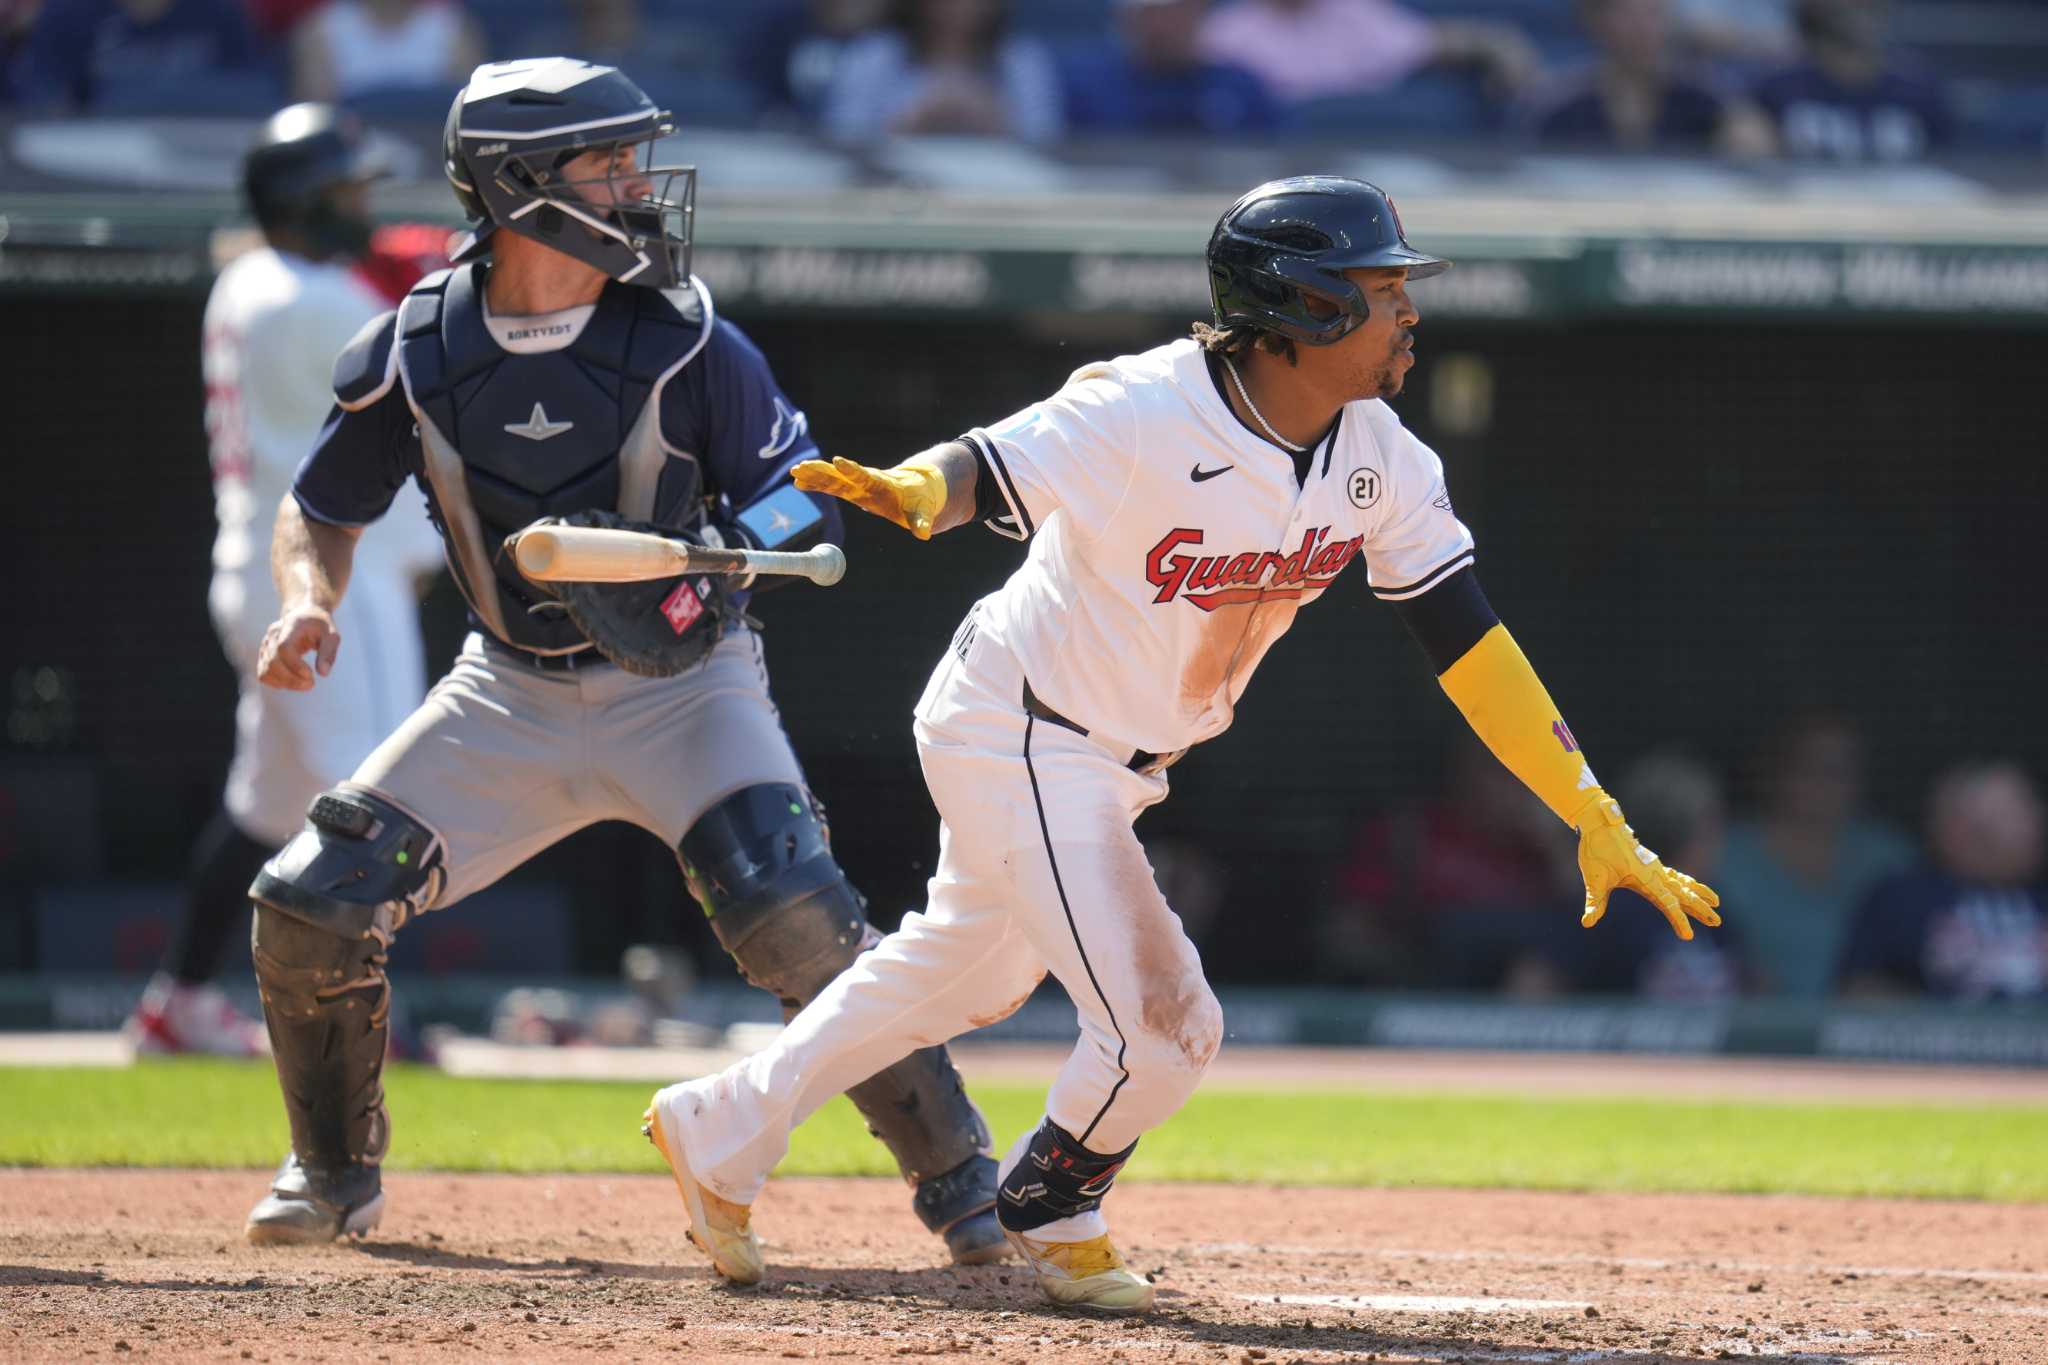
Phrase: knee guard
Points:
(760, 864)
(761, 867)
(327, 907)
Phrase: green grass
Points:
(207, 1113)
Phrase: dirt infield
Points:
(120, 1264)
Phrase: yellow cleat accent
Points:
(720, 1228)
(1086, 1274)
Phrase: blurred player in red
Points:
(276, 319)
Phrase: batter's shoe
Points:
(174, 1017)
(720, 1228)
(1086, 1274)
(306, 1207)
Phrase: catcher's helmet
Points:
(513, 128)
(1289, 241)
(302, 152)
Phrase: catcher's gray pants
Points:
(504, 758)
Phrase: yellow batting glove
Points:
(912, 494)
(1610, 857)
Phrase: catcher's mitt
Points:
(657, 628)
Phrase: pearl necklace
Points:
(1260, 417)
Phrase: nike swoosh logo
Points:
(1201, 475)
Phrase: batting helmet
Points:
(1289, 241)
(302, 153)
(513, 128)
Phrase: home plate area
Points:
(121, 1264)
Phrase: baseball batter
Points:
(1182, 505)
(274, 322)
(569, 365)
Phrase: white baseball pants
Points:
(1039, 870)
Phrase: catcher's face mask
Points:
(610, 206)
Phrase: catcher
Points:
(568, 366)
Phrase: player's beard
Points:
(1383, 382)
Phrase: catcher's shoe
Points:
(307, 1206)
(720, 1228)
(1086, 1274)
(977, 1239)
(960, 1206)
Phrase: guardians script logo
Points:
(1212, 581)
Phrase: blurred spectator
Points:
(1153, 78)
(1738, 32)
(667, 60)
(945, 66)
(1846, 101)
(1677, 809)
(1792, 878)
(82, 54)
(1971, 923)
(352, 48)
(1634, 97)
(1478, 890)
(275, 19)
(17, 19)
(1307, 49)
(793, 54)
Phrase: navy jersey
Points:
(1109, 91)
(1927, 931)
(1898, 117)
(1689, 115)
(724, 435)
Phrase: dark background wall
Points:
(1692, 530)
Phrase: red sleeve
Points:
(400, 256)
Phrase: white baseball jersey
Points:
(274, 323)
(1171, 547)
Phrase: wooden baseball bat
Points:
(592, 554)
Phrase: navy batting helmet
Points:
(513, 128)
(302, 153)
(1289, 241)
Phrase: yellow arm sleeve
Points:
(1506, 705)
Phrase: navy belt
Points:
(1142, 760)
(574, 662)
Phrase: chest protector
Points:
(507, 438)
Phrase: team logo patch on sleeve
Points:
(682, 607)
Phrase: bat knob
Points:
(831, 565)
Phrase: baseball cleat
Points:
(977, 1239)
(960, 1206)
(308, 1208)
(1086, 1274)
(720, 1228)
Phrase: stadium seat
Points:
(402, 103)
(704, 99)
(1063, 19)
(1439, 103)
(2003, 118)
(254, 93)
(508, 23)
